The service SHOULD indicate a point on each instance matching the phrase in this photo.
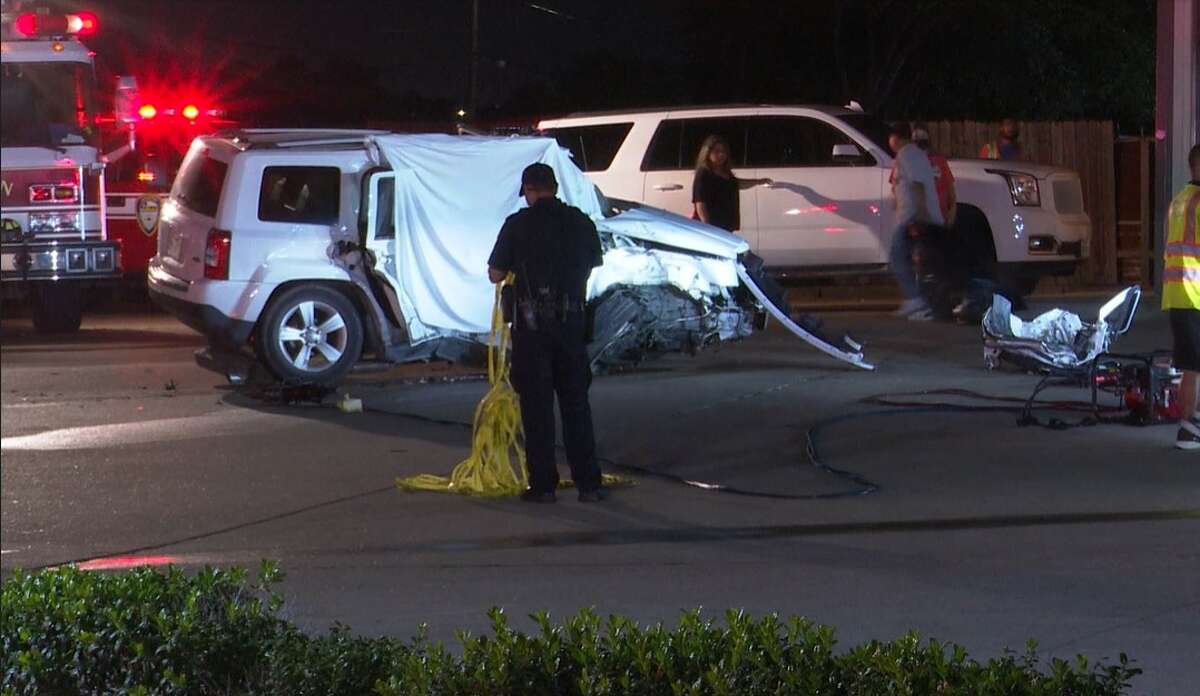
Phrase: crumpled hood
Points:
(666, 228)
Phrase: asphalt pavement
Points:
(118, 450)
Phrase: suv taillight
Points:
(216, 255)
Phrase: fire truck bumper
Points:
(51, 261)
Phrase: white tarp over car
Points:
(453, 194)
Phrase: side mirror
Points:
(125, 102)
(846, 152)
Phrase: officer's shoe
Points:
(593, 496)
(531, 496)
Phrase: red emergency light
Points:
(78, 24)
(190, 112)
(82, 24)
(147, 111)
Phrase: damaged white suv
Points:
(315, 248)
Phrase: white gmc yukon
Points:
(830, 206)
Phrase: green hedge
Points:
(220, 632)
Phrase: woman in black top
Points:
(715, 188)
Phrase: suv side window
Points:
(794, 141)
(310, 195)
(385, 221)
(592, 147)
(677, 142)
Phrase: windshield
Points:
(870, 126)
(46, 105)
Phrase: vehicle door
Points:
(821, 210)
(670, 165)
(380, 225)
(379, 238)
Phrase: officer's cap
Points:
(539, 176)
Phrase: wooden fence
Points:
(1084, 146)
(1137, 244)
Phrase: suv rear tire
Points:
(57, 307)
(310, 335)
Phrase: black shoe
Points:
(532, 496)
(593, 496)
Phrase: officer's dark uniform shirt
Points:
(548, 245)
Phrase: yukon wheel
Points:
(310, 335)
(57, 307)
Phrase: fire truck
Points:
(54, 241)
(165, 122)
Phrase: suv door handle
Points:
(668, 187)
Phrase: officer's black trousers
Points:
(550, 361)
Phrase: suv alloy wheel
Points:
(310, 335)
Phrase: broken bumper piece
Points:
(842, 348)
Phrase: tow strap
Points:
(845, 349)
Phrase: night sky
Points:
(423, 45)
(304, 62)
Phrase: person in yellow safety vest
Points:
(1006, 147)
(1181, 297)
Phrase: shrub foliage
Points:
(221, 632)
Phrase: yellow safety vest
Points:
(1181, 272)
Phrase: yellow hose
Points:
(496, 466)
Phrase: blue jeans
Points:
(902, 265)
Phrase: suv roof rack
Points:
(261, 138)
(685, 108)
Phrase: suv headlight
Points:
(53, 222)
(1022, 187)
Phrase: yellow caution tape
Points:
(496, 466)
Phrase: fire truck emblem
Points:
(148, 208)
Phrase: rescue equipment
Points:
(1070, 352)
(1056, 340)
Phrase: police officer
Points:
(552, 248)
